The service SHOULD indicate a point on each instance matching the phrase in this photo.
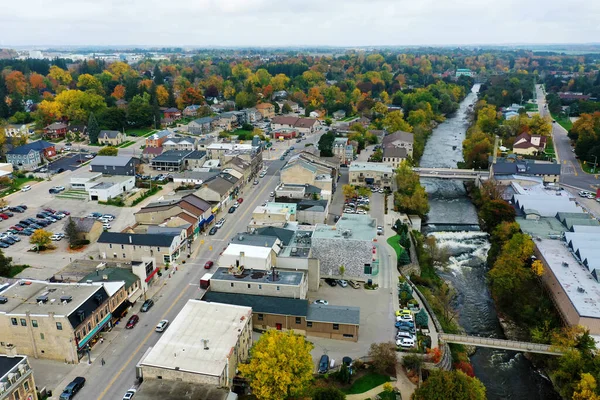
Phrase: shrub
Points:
(82, 242)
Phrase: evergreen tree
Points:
(72, 232)
(156, 113)
(93, 128)
(158, 76)
(3, 106)
(171, 99)
(5, 265)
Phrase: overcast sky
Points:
(297, 22)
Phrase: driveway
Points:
(337, 203)
(68, 163)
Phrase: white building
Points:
(111, 187)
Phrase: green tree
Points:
(344, 374)
(108, 151)
(325, 144)
(421, 318)
(411, 197)
(72, 232)
(112, 118)
(450, 385)
(286, 109)
(329, 393)
(280, 366)
(383, 356)
(394, 121)
(139, 111)
(494, 212)
(5, 265)
(93, 128)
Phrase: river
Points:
(453, 220)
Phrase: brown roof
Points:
(284, 120)
(397, 136)
(394, 152)
(153, 150)
(187, 217)
(264, 105)
(196, 202)
(527, 143)
(305, 123)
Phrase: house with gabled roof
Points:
(31, 155)
(111, 138)
(529, 144)
(399, 139)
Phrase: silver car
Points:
(162, 325)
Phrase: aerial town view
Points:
(260, 200)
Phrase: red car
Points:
(16, 228)
(240, 200)
(65, 212)
(51, 211)
(132, 321)
(4, 216)
(208, 265)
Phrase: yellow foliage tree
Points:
(60, 75)
(280, 366)
(394, 121)
(537, 267)
(280, 81)
(586, 388)
(162, 95)
(41, 238)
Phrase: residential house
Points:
(12, 130)
(180, 143)
(292, 104)
(201, 125)
(187, 206)
(394, 155)
(380, 134)
(121, 104)
(171, 160)
(227, 121)
(339, 149)
(221, 189)
(111, 138)
(68, 317)
(529, 144)
(172, 113)
(301, 125)
(251, 115)
(31, 155)
(339, 114)
(77, 130)
(371, 173)
(280, 95)
(163, 248)
(464, 72)
(224, 329)
(400, 139)
(150, 152)
(191, 111)
(16, 378)
(266, 109)
(573, 96)
(55, 130)
(87, 228)
(157, 139)
(115, 165)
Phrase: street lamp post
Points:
(595, 163)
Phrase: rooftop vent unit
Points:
(580, 289)
(98, 298)
(42, 299)
(67, 299)
(565, 264)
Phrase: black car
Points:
(23, 206)
(58, 171)
(35, 226)
(40, 215)
(24, 222)
(231, 210)
(9, 213)
(17, 209)
(213, 230)
(8, 240)
(53, 191)
(324, 364)
(3, 245)
(42, 222)
(330, 282)
(147, 305)
(72, 388)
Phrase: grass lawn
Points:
(15, 269)
(393, 241)
(367, 382)
(588, 167)
(138, 131)
(126, 144)
(531, 107)
(563, 121)
(350, 118)
(153, 131)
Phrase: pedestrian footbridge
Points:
(451, 173)
(499, 344)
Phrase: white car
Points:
(404, 317)
(321, 302)
(405, 342)
(104, 220)
(59, 188)
(55, 237)
(162, 325)
(106, 226)
(362, 212)
(108, 217)
(342, 282)
(26, 188)
(89, 156)
(272, 194)
(220, 223)
(236, 204)
(349, 211)
(129, 394)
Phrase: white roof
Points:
(235, 249)
(370, 166)
(586, 229)
(182, 347)
(113, 287)
(545, 206)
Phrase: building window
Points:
(260, 286)
(277, 287)
(59, 326)
(348, 335)
(13, 321)
(336, 327)
(231, 284)
(249, 286)
(16, 394)
(42, 336)
(26, 385)
(308, 324)
(122, 247)
(23, 322)
(298, 320)
(34, 323)
(110, 245)
(260, 317)
(158, 249)
(124, 255)
(89, 326)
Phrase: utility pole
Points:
(595, 163)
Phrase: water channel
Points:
(453, 220)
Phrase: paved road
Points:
(571, 172)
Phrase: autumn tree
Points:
(411, 197)
(76, 105)
(280, 366)
(41, 238)
(36, 81)
(59, 76)
(328, 393)
(450, 385)
(394, 121)
(16, 83)
(383, 356)
(280, 82)
(118, 92)
(89, 82)
(586, 389)
(108, 151)
(494, 212)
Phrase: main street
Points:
(571, 172)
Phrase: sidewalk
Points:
(402, 383)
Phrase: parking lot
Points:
(68, 163)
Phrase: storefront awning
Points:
(210, 219)
(149, 277)
(93, 332)
(215, 209)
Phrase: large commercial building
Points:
(371, 173)
(203, 345)
(275, 283)
(57, 321)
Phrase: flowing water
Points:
(453, 220)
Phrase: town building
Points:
(295, 192)
(191, 111)
(170, 160)
(512, 168)
(251, 252)
(157, 139)
(57, 321)
(527, 144)
(297, 315)
(220, 189)
(103, 273)
(573, 96)
(300, 125)
(55, 130)
(163, 248)
(111, 138)
(180, 144)
(399, 139)
(273, 214)
(172, 114)
(150, 152)
(266, 109)
(88, 228)
(339, 149)
(31, 155)
(309, 211)
(274, 283)
(464, 72)
(339, 114)
(394, 156)
(16, 378)
(365, 174)
(201, 125)
(12, 130)
(111, 187)
(349, 243)
(251, 115)
(188, 207)
(6, 169)
(203, 345)
(192, 178)
(114, 165)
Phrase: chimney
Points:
(130, 239)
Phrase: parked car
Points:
(106, 226)
(72, 388)
(272, 194)
(255, 182)
(404, 342)
(3, 216)
(16, 228)
(26, 188)
(342, 282)
(213, 230)
(321, 302)
(220, 223)
(162, 325)
(354, 284)
(55, 237)
(231, 210)
(208, 265)
(240, 200)
(17, 209)
(51, 211)
(324, 364)
(380, 230)
(133, 320)
(64, 212)
(3, 245)
(147, 305)
(331, 282)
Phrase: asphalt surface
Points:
(571, 172)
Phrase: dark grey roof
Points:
(88, 307)
(395, 152)
(113, 275)
(162, 389)
(172, 156)
(333, 314)
(525, 167)
(108, 134)
(196, 202)
(117, 161)
(260, 276)
(196, 155)
(398, 136)
(204, 120)
(318, 205)
(138, 239)
(253, 240)
(285, 235)
(261, 304)
(171, 110)
(8, 363)
(38, 146)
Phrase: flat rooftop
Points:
(83, 174)
(22, 297)
(370, 166)
(543, 228)
(180, 345)
(276, 208)
(159, 389)
(348, 227)
(8, 363)
(109, 181)
(259, 276)
(572, 276)
(299, 246)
